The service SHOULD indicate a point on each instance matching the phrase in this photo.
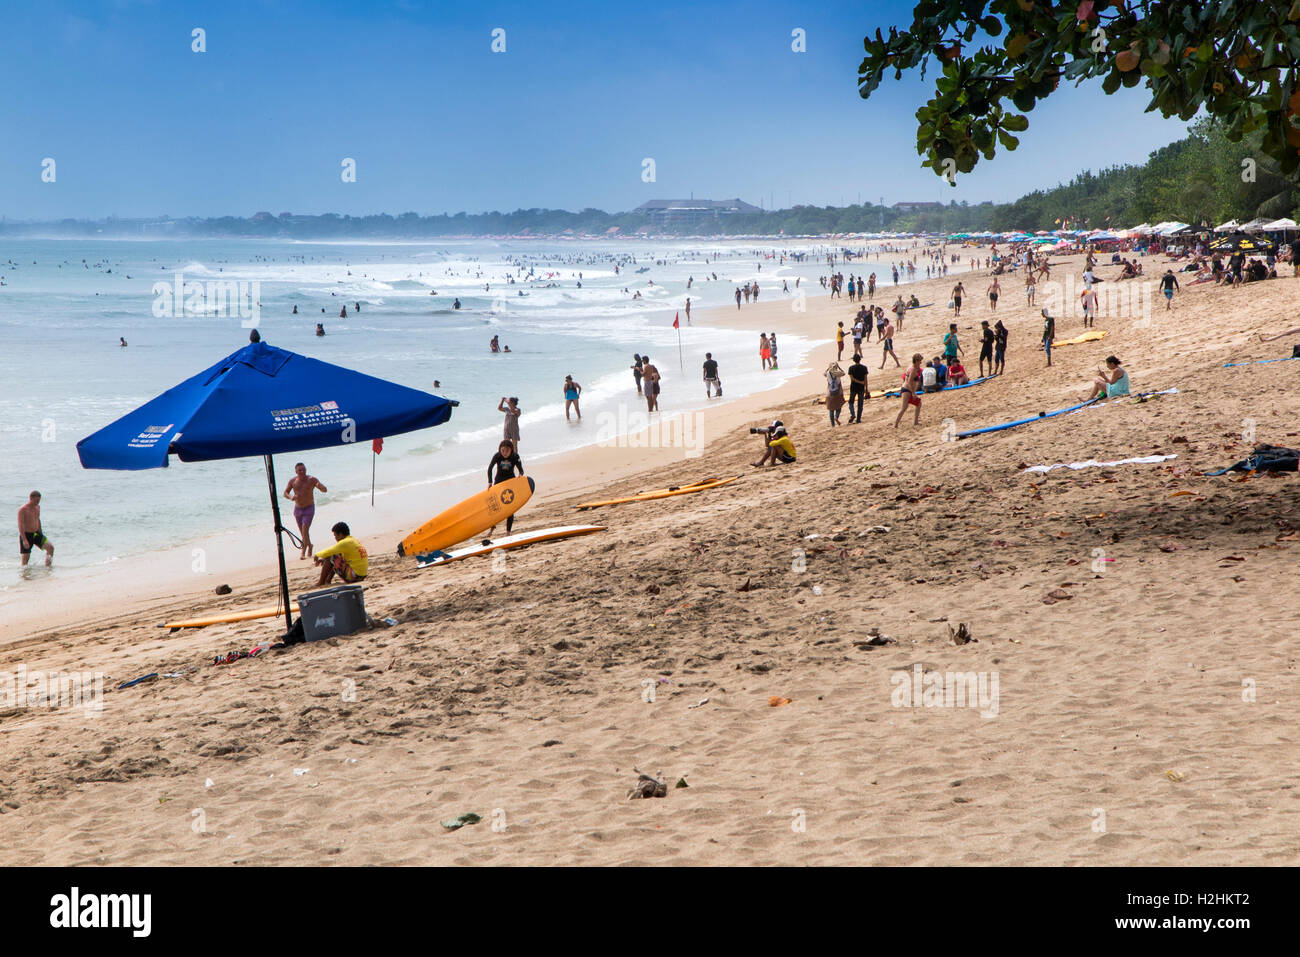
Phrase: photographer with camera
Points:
(779, 448)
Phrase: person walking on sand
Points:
(29, 530)
(900, 310)
(987, 340)
(995, 289)
(911, 392)
(834, 392)
(771, 349)
(1089, 298)
(839, 340)
(571, 392)
(857, 388)
(1000, 335)
(301, 490)
(650, 383)
(504, 466)
(871, 286)
(711, 380)
(957, 292)
(512, 411)
(1168, 283)
(950, 344)
(1030, 288)
(764, 350)
(737, 297)
(887, 339)
(1049, 335)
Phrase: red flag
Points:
(676, 323)
(377, 445)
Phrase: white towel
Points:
(1094, 464)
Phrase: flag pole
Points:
(373, 459)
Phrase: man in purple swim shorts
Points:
(301, 490)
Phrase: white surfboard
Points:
(518, 540)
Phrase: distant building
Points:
(911, 207)
(692, 212)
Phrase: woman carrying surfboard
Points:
(504, 466)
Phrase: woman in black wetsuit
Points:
(504, 466)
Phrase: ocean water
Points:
(65, 303)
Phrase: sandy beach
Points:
(1132, 619)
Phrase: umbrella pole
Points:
(279, 543)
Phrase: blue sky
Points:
(139, 125)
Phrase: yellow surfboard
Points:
(269, 611)
(700, 486)
(1091, 335)
(518, 540)
(466, 519)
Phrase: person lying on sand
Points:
(347, 558)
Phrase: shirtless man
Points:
(301, 490)
(29, 530)
(887, 340)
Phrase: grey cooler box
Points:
(332, 612)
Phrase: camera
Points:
(767, 431)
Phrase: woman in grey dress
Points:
(511, 408)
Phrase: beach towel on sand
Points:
(1094, 464)
(1091, 336)
(1265, 458)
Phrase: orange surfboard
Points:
(466, 519)
(269, 611)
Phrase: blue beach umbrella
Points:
(260, 401)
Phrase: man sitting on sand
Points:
(779, 447)
(347, 558)
(29, 530)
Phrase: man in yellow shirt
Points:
(346, 556)
(779, 447)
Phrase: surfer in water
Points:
(504, 466)
(301, 490)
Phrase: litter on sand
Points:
(469, 817)
(1094, 464)
(646, 787)
(141, 680)
(776, 701)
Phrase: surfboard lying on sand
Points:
(518, 540)
(1090, 336)
(897, 393)
(1036, 418)
(700, 486)
(268, 612)
(466, 519)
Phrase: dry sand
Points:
(1149, 718)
